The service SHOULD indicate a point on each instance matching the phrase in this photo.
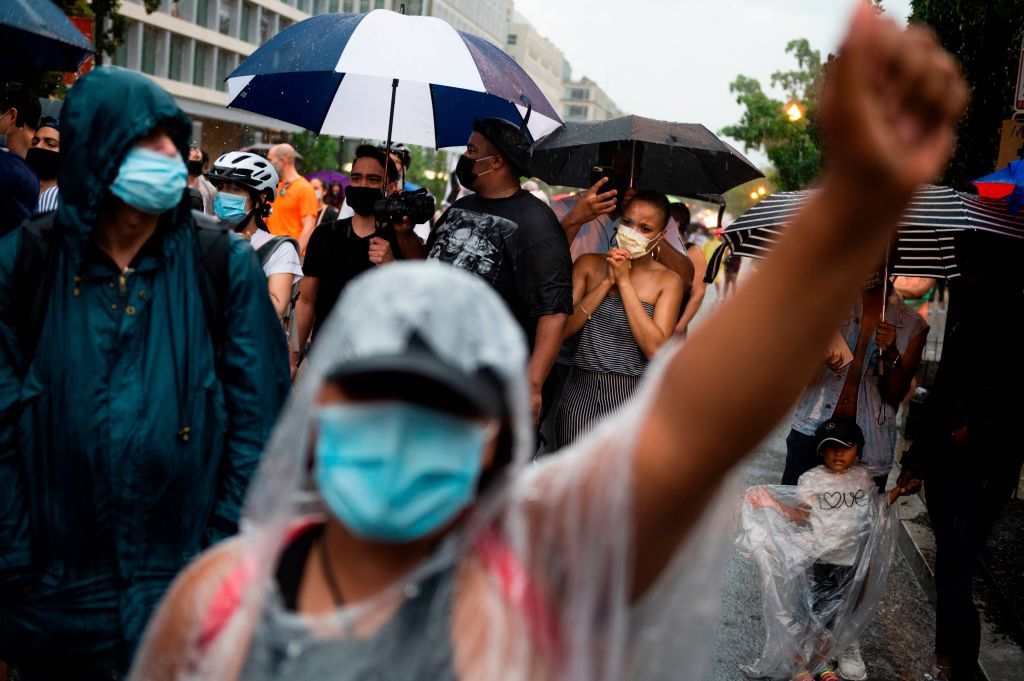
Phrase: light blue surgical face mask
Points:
(396, 472)
(150, 181)
(229, 207)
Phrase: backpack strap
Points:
(34, 271)
(213, 246)
(267, 250)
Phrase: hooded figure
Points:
(525, 574)
(126, 445)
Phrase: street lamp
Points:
(754, 196)
(761, 191)
(795, 112)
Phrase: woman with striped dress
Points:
(625, 305)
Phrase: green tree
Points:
(429, 168)
(791, 146)
(319, 152)
(986, 37)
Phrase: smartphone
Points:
(597, 172)
(839, 345)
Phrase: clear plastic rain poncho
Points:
(823, 551)
(542, 563)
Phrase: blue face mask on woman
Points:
(150, 181)
(396, 472)
(229, 207)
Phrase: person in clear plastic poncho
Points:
(394, 529)
(823, 548)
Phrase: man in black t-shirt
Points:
(512, 239)
(339, 251)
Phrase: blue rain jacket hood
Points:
(106, 113)
(126, 446)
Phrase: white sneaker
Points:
(851, 664)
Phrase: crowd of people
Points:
(245, 434)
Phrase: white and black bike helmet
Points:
(245, 169)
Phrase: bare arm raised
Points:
(888, 114)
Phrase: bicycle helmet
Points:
(245, 169)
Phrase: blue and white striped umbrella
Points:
(333, 74)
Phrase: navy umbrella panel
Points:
(925, 242)
(683, 159)
(335, 73)
(38, 36)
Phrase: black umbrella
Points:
(37, 36)
(683, 159)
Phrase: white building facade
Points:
(584, 100)
(539, 57)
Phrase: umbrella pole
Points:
(632, 164)
(387, 149)
(885, 284)
(391, 125)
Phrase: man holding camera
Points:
(339, 251)
(510, 238)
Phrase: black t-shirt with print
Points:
(335, 255)
(517, 245)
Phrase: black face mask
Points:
(45, 163)
(195, 167)
(464, 170)
(361, 199)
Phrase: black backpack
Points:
(36, 268)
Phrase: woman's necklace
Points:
(325, 567)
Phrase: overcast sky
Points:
(674, 59)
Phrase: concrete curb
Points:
(1001, 658)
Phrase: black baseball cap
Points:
(510, 139)
(481, 389)
(840, 431)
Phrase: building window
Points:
(121, 54)
(364, 5)
(265, 27)
(347, 7)
(224, 12)
(378, 4)
(283, 24)
(203, 13)
(245, 21)
(576, 112)
(199, 65)
(150, 36)
(303, 6)
(224, 67)
(176, 54)
(579, 93)
(513, 39)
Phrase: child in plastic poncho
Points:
(824, 549)
(395, 528)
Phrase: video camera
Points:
(417, 205)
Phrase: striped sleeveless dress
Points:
(607, 367)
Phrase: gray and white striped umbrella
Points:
(992, 215)
(925, 243)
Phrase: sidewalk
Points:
(998, 588)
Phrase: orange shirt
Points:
(294, 201)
